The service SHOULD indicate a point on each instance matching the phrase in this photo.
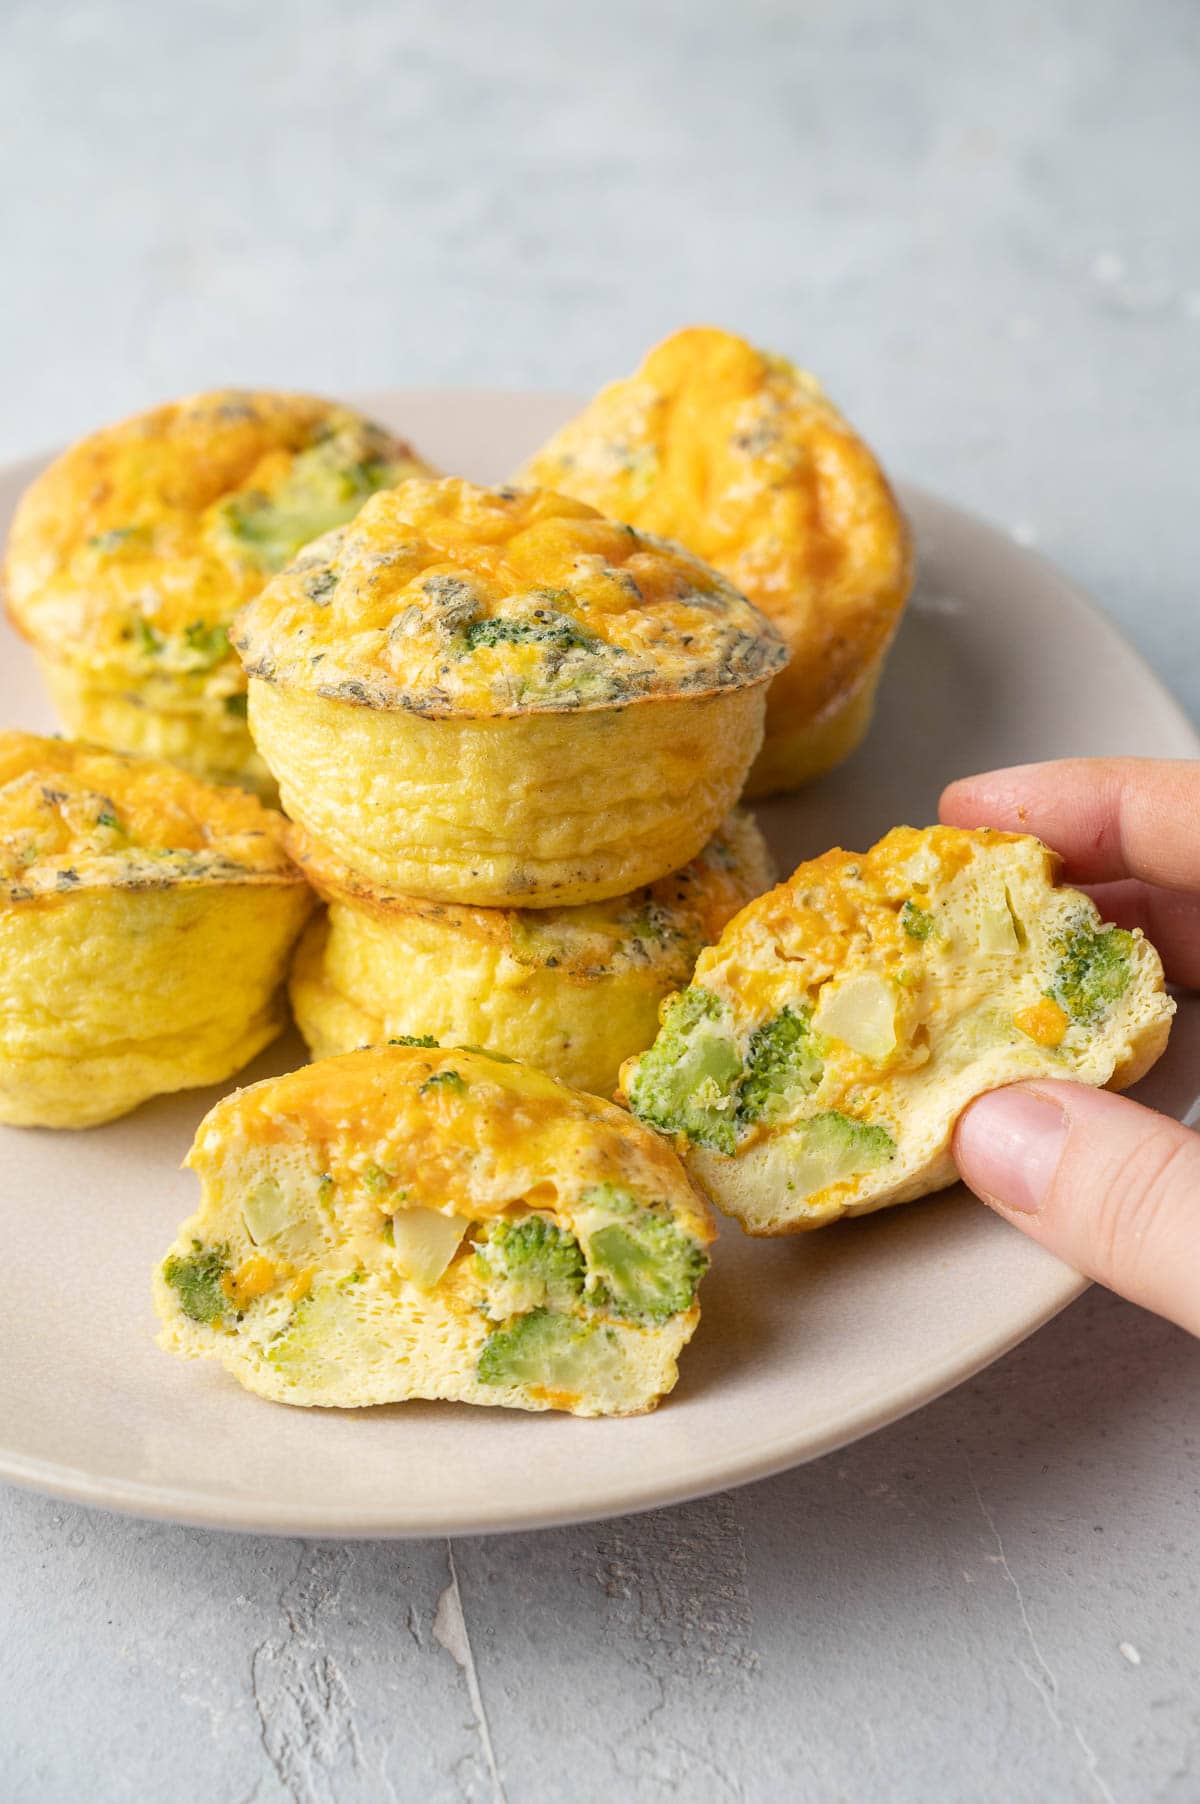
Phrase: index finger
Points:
(1106, 817)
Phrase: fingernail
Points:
(1007, 1147)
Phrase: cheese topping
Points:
(138, 545)
(446, 599)
(458, 1131)
(74, 816)
(741, 456)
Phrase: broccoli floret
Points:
(685, 1083)
(642, 1266)
(442, 1080)
(149, 641)
(1093, 970)
(833, 1147)
(916, 921)
(528, 1264)
(325, 487)
(412, 1040)
(780, 1057)
(542, 627)
(208, 644)
(551, 1352)
(198, 1281)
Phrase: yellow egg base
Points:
(321, 1312)
(958, 1020)
(388, 1341)
(531, 810)
(194, 730)
(114, 996)
(361, 979)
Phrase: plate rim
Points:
(645, 1490)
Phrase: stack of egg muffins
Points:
(507, 731)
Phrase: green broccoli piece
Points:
(642, 1266)
(1093, 970)
(780, 1057)
(413, 1040)
(916, 921)
(685, 1083)
(529, 1264)
(105, 543)
(543, 627)
(551, 1352)
(324, 488)
(198, 1281)
(442, 1080)
(149, 642)
(209, 644)
(833, 1147)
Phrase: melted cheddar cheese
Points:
(76, 816)
(741, 456)
(446, 599)
(139, 544)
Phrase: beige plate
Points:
(805, 1344)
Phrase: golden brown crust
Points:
(742, 457)
(444, 599)
(137, 545)
(74, 816)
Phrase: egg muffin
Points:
(130, 555)
(405, 1222)
(146, 921)
(500, 698)
(817, 1063)
(572, 991)
(743, 458)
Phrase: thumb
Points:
(1111, 1187)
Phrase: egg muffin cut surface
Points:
(741, 456)
(146, 920)
(407, 1222)
(130, 554)
(573, 991)
(818, 1061)
(501, 698)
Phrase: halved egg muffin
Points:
(743, 458)
(572, 991)
(828, 1042)
(130, 555)
(405, 1222)
(500, 698)
(146, 923)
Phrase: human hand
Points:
(1110, 1186)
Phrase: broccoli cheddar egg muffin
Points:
(742, 457)
(501, 698)
(146, 920)
(828, 1042)
(572, 991)
(404, 1222)
(130, 555)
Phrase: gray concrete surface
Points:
(979, 224)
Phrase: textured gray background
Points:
(980, 226)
